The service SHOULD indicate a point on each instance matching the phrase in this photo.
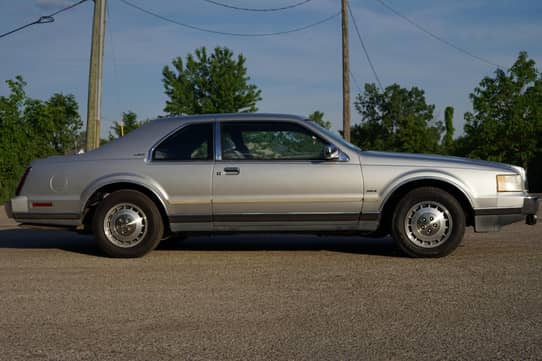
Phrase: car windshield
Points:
(335, 136)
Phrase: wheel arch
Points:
(402, 189)
(101, 192)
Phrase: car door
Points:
(182, 166)
(272, 176)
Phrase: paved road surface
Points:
(270, 298)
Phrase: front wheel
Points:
(428, 222)
(127, 224)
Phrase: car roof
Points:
(232, 116)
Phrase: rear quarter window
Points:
(191, 143)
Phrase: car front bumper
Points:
(491, 220)
(530, 208)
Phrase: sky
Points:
(298, 73)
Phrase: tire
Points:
(428, 222)
(127, 224)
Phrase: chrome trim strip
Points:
(354, 198)
(218, 143)
(174, 201)
(268, 217)
(287, 161)
(286, 217)
(193, 218)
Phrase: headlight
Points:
(509, 183)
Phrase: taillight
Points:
(21, 182)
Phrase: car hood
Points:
(432, 160)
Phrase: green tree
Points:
(204, 84)
(448, 140)
(506, 122)
(14, 136)
(397, 119)
(318, 117)
(32, 128)
(129, 122)
(64, 123)
(55, 123)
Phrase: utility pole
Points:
(346, 72)
(95, 76)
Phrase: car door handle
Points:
(232, 171)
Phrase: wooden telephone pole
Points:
(95, 76)
(346, 72)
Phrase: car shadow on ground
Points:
(85, 244)
(20, 238)
(283, 242)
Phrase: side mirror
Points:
(331, 152)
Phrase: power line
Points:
(67, 8)
(43, 19)
(437, 37)
(291, 6)
(193, 27)
(365, 49)
(356, 82)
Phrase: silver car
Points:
(266, 173)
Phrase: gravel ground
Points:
(270, 298)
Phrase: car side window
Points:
(269, 141)
(193, 142)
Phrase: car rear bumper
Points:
(16, 205)
(491, 220)
(17, 208)
(7, 209)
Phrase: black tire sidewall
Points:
(155, 228)
(428, 194)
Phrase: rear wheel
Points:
(127, 224)
(428, 222)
